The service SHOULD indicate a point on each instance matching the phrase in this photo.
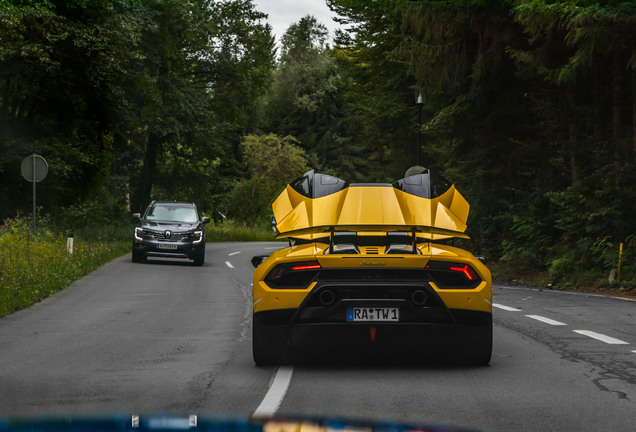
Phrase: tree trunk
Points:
(617, 118)
(148, 172)
(573, 133)
(633, 155)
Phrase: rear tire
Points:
(259, 348)
(481, 354)
(266, 349)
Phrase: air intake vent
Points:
(372, 250)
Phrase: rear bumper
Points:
(344, 342)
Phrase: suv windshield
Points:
(171, 214)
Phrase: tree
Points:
(271, 162)
(204, 52)
(147, 99)
(62, 68)
(309, 101)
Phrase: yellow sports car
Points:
(368, 277)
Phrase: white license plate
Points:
(166, 246)
(360, 314)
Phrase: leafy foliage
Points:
(518, 113)
(122, 96)
(271, 163)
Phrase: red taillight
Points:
(307, 267)
(463, 270)
(449, 275)
(293, 274)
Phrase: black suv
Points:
(170, 230)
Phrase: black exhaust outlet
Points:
(327, 297)
(419, 298)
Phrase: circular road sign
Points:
(34, 168)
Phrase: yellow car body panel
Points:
(374, 208)
(478, 299)
(366, 274)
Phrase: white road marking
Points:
(557, 292)
(546, 320)
(601, 337)
(506, 308)
(634, 351)
(229, 264)
(233, 253)
(274, 397)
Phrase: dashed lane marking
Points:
(601, 337)
(274, 397)
(234, 253)
(546, 320)
(506, 308)
(229, 264)
(559, 292)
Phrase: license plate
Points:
(361, 314)
(166, 246)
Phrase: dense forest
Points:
(528, 106)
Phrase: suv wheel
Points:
(199, 260)
(138, 257)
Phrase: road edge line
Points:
(274, 396)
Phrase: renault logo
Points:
(168, 234)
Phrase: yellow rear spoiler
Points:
(318, 204)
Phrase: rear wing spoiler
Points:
(424, 205)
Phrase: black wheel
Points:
(259, 348)
(268, 348)
(480, 354)
(138, 257)
(199, 259)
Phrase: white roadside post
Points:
(69, 243)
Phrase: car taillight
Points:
(449, 275)
(294, 275)
(466, 270)
(306, 267)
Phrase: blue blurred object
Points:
(212, 424)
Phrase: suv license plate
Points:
(166, 246)
(361, 314)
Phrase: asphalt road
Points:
(169, 337)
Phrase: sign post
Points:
(34, 169)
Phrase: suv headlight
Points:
(138, 233)
(198, 236)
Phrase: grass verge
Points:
(33, 267)
(233, 231)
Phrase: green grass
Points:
(33, 267)
(232, 231)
